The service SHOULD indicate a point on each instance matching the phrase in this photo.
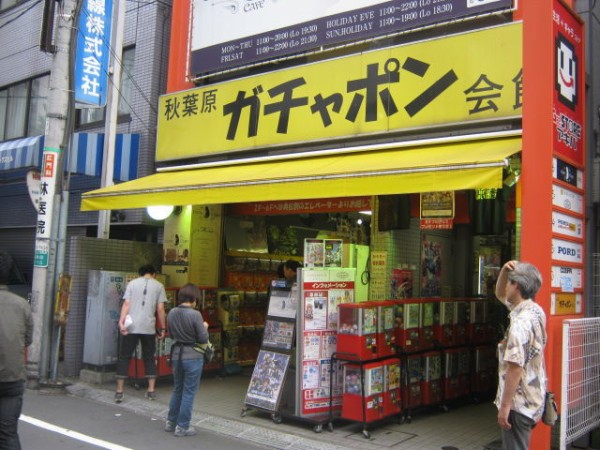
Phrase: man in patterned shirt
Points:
(522, 375)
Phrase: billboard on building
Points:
(233, 33)
(468, 77)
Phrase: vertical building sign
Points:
(93, 52)
(568, 193)
(569, 74)
(45, 206)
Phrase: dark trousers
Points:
(517, 438)
(128, 344)
(11, 402)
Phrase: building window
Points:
(91, 115)
(5, 4)
(23, 108)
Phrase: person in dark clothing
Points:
(16, 332)
(290, 269)
(186, 327)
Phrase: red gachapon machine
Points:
(408, 324)
(392, 399)
(443, 327)
(451, 385)
(363, 398)
(460, 322)
(357, 330)
(386, 337)
(411, 381)
(431, 383)
(476, 326)
(485, 370)
(427, 323)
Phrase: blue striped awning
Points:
(85, 155)
(26, 152)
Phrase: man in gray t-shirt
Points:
(144, 300)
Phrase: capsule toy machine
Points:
(450, 380)
(357, 330)
(386, 336)
(431, 383)
(408, 322)
(460, 322)
(411, 381)
(463, 371)
(484, 375)
(476, 326)
(443, 326)
(427, 322)
(363, 398)
(392, 398)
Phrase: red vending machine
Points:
(408, 323)
(370, 407)
(427, 322)
(477, 331)
(391, 400)
(450, 381)
(485, 370)
(411, 382)
(443, 326)
(357, 330)
(431, 384)
(464, 371)
(460, 322)
(386, 337)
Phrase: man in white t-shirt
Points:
(144, 300)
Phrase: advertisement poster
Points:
(333, 252)
(283, 303)
(314, 253)
(379, 271)
(278, 334)
(267, 380)
(322, 291)
(311, 348)
(401, 283)
(311, 372)
(315, 311)
(431, 268)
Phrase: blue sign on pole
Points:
(93, 52)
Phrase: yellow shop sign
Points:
(469, 77)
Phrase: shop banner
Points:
(569, 90)
(230, 33)
(474, 76)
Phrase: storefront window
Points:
(16, 111)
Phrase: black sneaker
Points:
(118, 397)
(150, 395)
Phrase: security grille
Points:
(580, 395)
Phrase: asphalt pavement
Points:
(55, 420)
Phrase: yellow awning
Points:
(442, 167)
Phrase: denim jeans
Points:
(11, 402)
(128, 344)
(186, 378)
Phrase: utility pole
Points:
(57, 117)
(112, 112)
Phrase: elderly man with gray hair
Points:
(522, 375)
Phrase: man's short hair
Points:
(148, 268)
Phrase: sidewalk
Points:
(219, 403)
